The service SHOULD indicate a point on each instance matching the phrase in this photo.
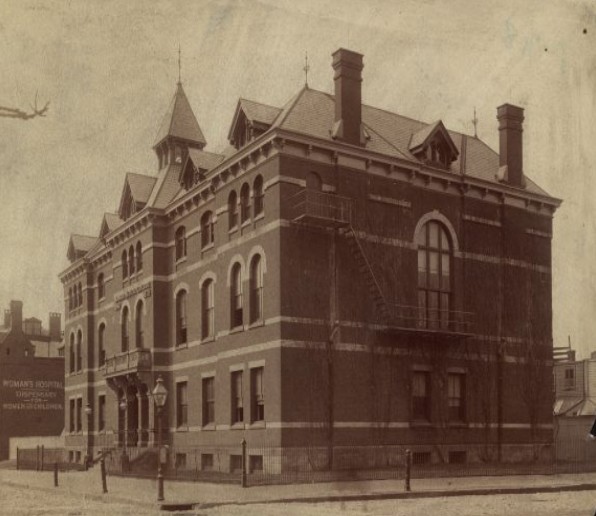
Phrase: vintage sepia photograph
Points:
(298, 257)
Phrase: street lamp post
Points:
(89, 455)
(160, 394)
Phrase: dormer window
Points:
(433, 145)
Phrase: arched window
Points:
(256, 289)
(244, 203)
(180, 239)
(101, 350)
(124, 329)
(70, 299)
(101, 291)
(131, 260)
(314, 182)
(71, 353)
(207, 309)
(236, 296)
(139, 256)
(232, 210)
(206, 229)
(79, 357)
(80, 294)
(139, 325)
(181, 334)
(258, 195)
(124, 265)
(75, 297)
(434, 275)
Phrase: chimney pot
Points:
(511, 168)
(348, 96)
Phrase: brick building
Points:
(340, 277)
(31, 377)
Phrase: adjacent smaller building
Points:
(31, 377)
(575, 407)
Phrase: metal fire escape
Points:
(315, 208)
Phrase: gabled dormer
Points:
(196, 165)
(79, 246)
(433, 145)
(179, 131)
(135, 194)
(109, 222)
(251, 119)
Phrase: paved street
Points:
(23, 501)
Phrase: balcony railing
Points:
(316, 207)
(420, 320)
(132, 361)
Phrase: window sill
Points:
(457, 424)
(209, 427)
(233, 229)
(256, 324)
(245, 224)
(207, 340)
(419, 423)
(237, 329)
(182, 345)
(260, 216)
(181, 261)
(208, 247)
(258, 424)
(237, 426)
(183, 428)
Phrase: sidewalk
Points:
(180, 494)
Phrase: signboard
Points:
(32, 395)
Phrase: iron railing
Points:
(128, 362)
(316, 206)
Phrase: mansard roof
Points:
(180, 122)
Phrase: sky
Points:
(109, 71)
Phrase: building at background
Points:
(339, 278)
(575, 407)
(31, 377)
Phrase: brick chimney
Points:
(348, 96)
(55, 326)
(16, 315)
(511, 169)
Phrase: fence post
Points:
(37, 458)
(408, 469)
(243, 478)
(17, 457)
(55, 474)
(42, 458)
(104, 483)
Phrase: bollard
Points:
(408, 469)
(55, 474)
(104, 482)
(243, 478)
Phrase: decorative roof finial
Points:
(306, 69)
(179, 65)
(475, 122)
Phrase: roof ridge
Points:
(240, 99)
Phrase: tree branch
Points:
(10, 112)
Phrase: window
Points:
(124, 328)
(244, 203)
(207, 461)
(79, 416)
(180, 240)
(236, 296)
(420, 458)
(258, 194)
(131, 260)
(139, 325)
(235, 463)
(124, 265)
(72, 416)
(101, 290)
(208, 310)
(569, 383)
(421, 395)
(181, 404)
(79, 358)
(70, 299)
(208, 401)
(80, 294)
(139, 256)
(206, 229)
(457, 457)
(181, 318)
(180, 461)
(237, 406)
(456, 386)
(71, 353)
(256, 289)
(101, 351)
(232, 210)
(434, 278)
(257, 398)
(101, 412)
(255, 464)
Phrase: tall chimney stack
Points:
(510, 144)
(16, 316)
(55, 326)
(348, 96)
